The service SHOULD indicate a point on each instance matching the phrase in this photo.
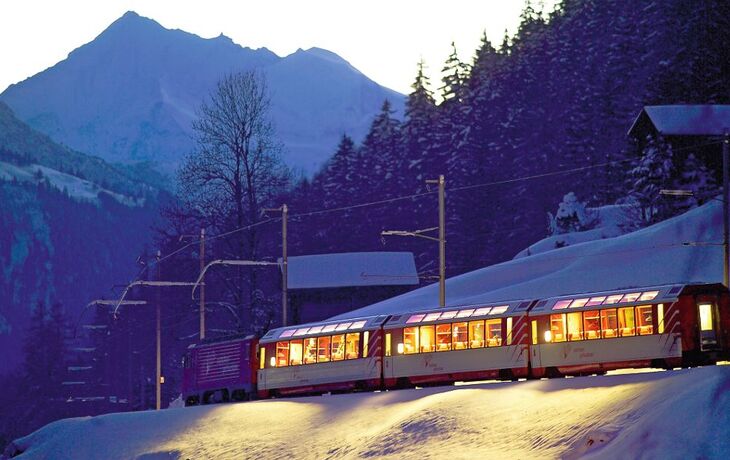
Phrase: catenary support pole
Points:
(158, 379)
(202, 285)
(284, 266)
(725, 204)
(442, 242)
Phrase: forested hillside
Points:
(70, 228)
(529, 120)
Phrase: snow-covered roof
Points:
(682, 120)
(686, 249)
(352, 269)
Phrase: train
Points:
(669, 326)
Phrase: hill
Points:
(682, 413)
(70, 227)
(130, 95)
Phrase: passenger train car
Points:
(661, 326)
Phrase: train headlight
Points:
(548, 336)
(272, 361)
(400, 348)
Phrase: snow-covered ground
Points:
(662, 414)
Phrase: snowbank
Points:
(683, 250)
(663, 414)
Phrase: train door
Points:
(537, 326)
(391, 344)
(708, 323)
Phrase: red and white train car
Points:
(321, 357)
(663, 326)
(456, 343)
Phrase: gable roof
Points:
(682, 120)
(352, 269)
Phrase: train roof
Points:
(463, 313)
(220, 340)
(608, 299)
(318, 328)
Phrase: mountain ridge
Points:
(130, 94)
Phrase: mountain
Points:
(130, 95)
(71, 226)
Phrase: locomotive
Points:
(660, 326)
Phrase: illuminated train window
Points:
(323, 349)
(460, 336)
(494, 332)
(626, 324)
(427, 338)
(443, 337)
(476, 334)
(338, 347)
(644, 320)
(310, 350)
(609, 323)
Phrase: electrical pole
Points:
(202, 285)
(158, 379)
(284, 266)
(442, 238)
(725, 203)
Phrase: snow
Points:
(685, 120)
(686, 249)
(660, 414)
(351, 269)
(77, 188)
(611, 221)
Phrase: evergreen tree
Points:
(651, 173)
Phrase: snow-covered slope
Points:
(664, 414)
(684, 249)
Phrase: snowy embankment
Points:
(662, 414)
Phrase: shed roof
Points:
(682, 120)
(352, 269)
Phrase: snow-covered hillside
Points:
(683, 250)
(76, 188)
(662, 414)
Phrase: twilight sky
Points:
(382, 38)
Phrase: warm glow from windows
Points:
(388, 339)
(494, 332)
(626, 326)
(534, 332)
(548, 336)
(365, 340)
(509, 331)
(706, 317)
(353, 346)
(476, 334)
(262, 358)
(273, 362)
(338, 347)
(432, 316)
(400, 348)
(557, 327)
(577, 303)
(644, 320)
(660, 318)
(282, 354)
(651, 295)
(427, 338)
(460, 336)
(295, 352)
(592, 324)
(410, 340)
(575, 326)
(443, 337)
(499, 310)
(323, 349)
(310, 350)
(609, 323)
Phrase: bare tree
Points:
(234, 172)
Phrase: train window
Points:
(410, 340)
(557, 328)
(323, 349)
(427, 336)
(626, 322)
(353, 346)
(705, 317)
(644, 320)
(388, 349)
(534, 332)
(494, 332)
(365, 340)
(310, 350)
(575, 326)
(443, 337)
(295, 352)
(660, 318)
(460, 336)
(262, 358)
(476, 334)
(592, 324)
(509, 331)
(609, 323)
(282, 354)
(338, 347)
